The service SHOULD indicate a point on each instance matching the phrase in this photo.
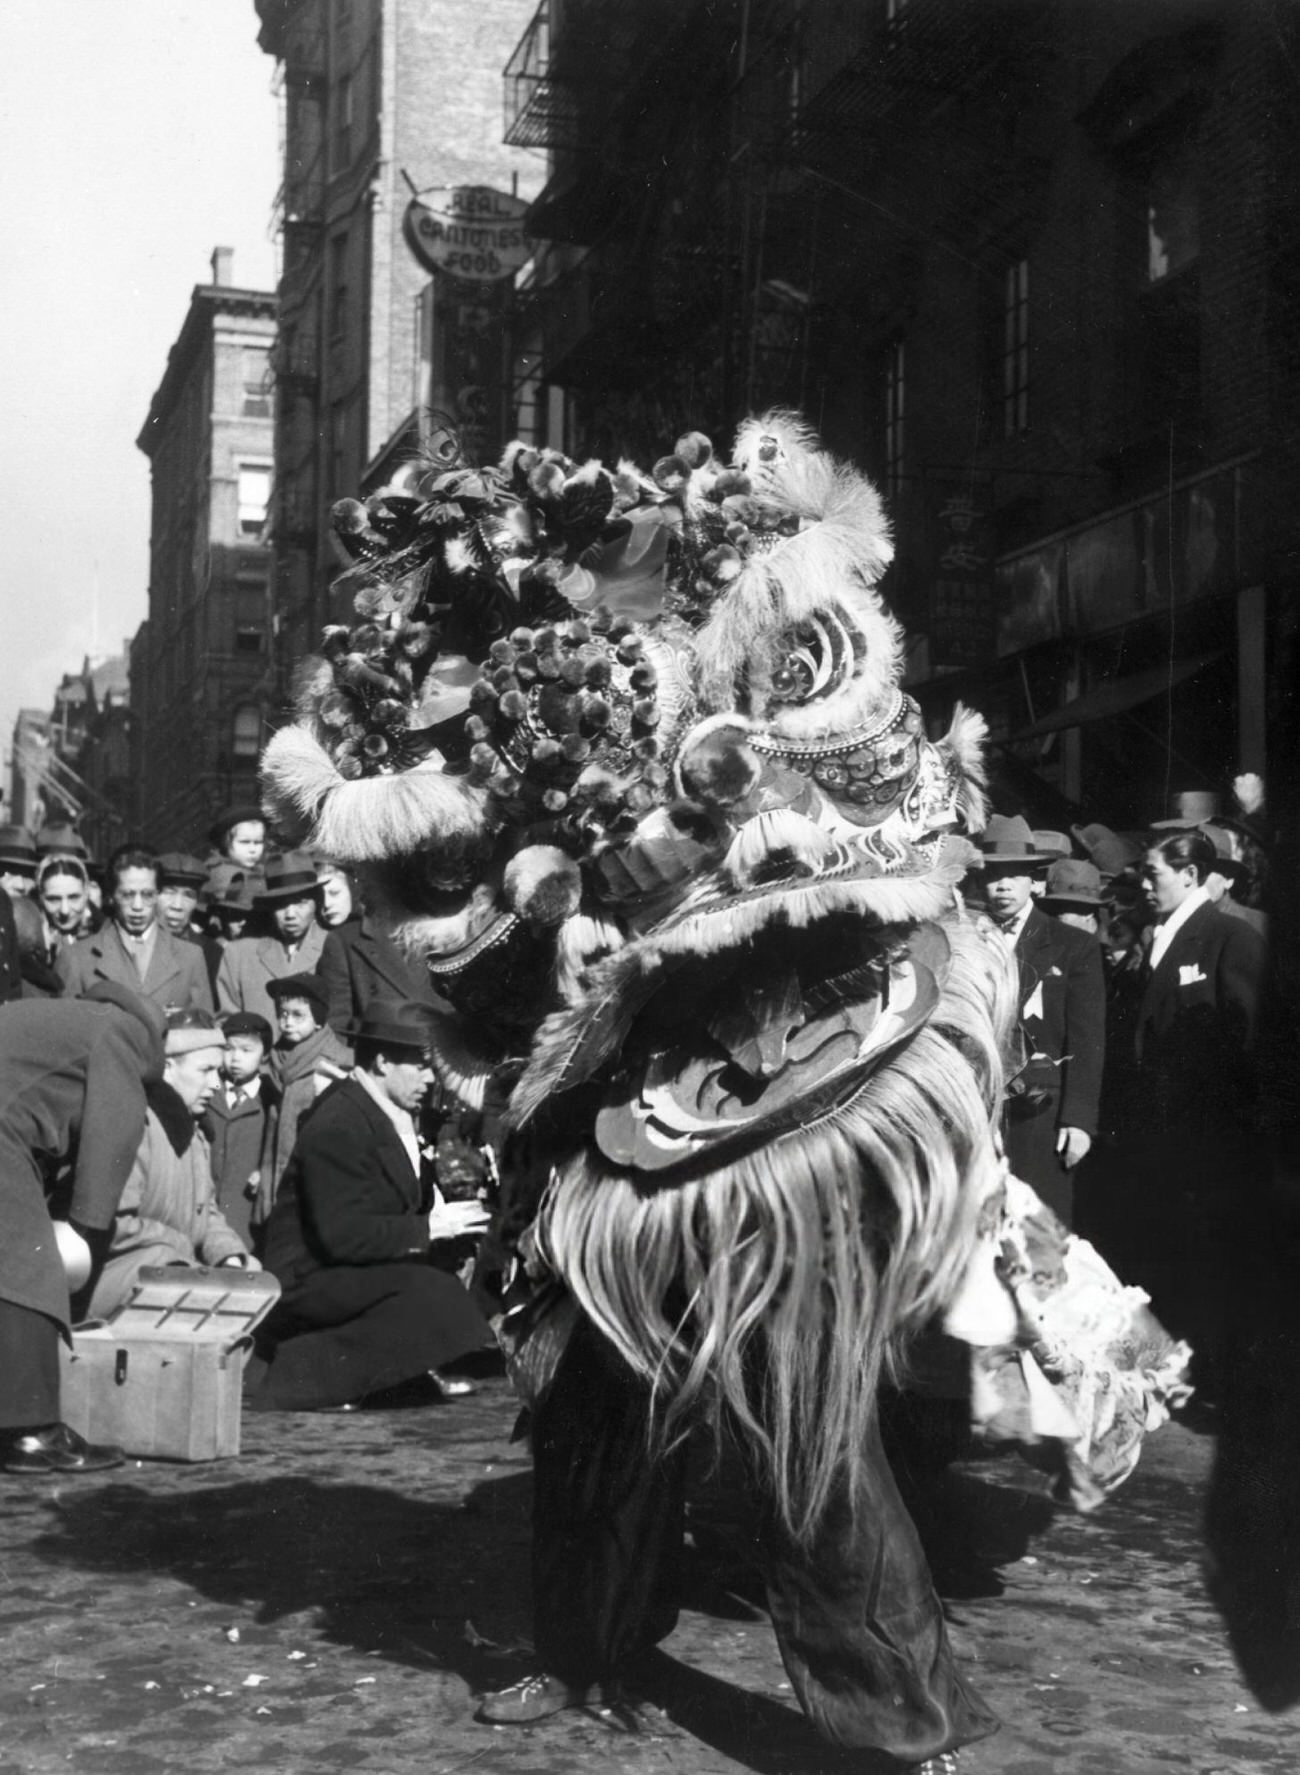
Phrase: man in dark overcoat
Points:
(72, 1105)
(1051, 1109)
(360, 962)
(133, 948)
(1190, 1147)
(361, 1308)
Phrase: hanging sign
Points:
(470, 232)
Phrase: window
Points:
(343, 123)
(254, 493)
(246, 732)
(895, 412)
(1173, 217)
(1015, 350)
(248, 638)
(257, 385)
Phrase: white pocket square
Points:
(1033, 1005)
(1190, 973)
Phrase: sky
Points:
(135, 136)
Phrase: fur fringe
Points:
(355, 821)
(575, 1042)
(963, 748)
(807, 1264)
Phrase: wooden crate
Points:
(162, 1376)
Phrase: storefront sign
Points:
(470, 232)
(963, 616)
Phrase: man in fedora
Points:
(290, 903)
(1051, 1110)
(1072, 894)
(133, 948)
(17, 861)
(362, 1310)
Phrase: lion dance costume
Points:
(624, 757)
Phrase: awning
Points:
(1117, 697)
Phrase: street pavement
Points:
(336, 1596)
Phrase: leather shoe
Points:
(54, 1448)
(451, 1387)
(534, 1698)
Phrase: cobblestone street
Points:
(335, 1597)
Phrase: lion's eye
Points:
(816, 657)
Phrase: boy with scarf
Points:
(307, 1056)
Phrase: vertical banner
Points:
(963, 611)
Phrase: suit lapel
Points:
(163, 963)
(383, 959)
(388, 1146)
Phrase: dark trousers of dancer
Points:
(857, 1621)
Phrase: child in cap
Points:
(306, 1057)
(240, 1120)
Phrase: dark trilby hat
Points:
(1225, 863)
(308, 986)
(393, 1023)
(61, 835)
(1008, 839)
(289, 877)
(242, 814)
(1110, 851)
(1073, 883)
(178, 869)
(17, 851)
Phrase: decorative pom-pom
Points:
(723, 563)
(731, 481)
(595, 712)
(514, 705)
(655, 775)
(375, 746)
(575, 749)
(548, 665)
(741, 509)
(482, 762)
(577, 633)
(647, 748)
(630, 652)
(476, 730)
(503, 679)
(482, 695)
(598, 672)
(521, 639)
(416, 639)
(348, 517)
(545, 640)
(542, 884)
(671, 473)
(502, 652)
(547, 480)
(348, 766)
(547, 754)
(335, 709)
(573, 672)
(645, 711)
(693, 448)
(555, 801)
(366, 637)
(720, 768)
(390, 714)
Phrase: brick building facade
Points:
(379, 96)
(201, 680)
(1033, 264)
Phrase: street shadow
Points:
(378, 1571)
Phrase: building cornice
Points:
(208, 304)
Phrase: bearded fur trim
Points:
(574, 1043)
(365, 818)
(806, 1265)
(831, 565)
(462, 1067)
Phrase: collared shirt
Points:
(237, 1094)
(400, 1118)
(140, 948)
(1165, 932)
(1010, 931)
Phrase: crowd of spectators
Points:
(283, 1111)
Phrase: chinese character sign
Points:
(963, 616)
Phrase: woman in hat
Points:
(362, 1310)
(291, 901)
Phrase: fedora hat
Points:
(1112, 852)
(1009, 839)
(1074, 882)
(60, 836)
(1057, 843)
(288, 877)
(1189, 808)
(178, 869)
(242, 814)
(392, 1023)
(17, 851)
(1226, 862)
